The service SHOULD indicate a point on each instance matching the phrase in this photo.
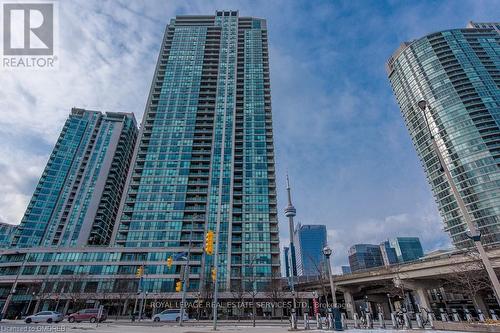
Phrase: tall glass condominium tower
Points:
(77, 197)
(458, 73)
(205, 158)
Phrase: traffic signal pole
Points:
(185, 277)
(140, 273)
(216, 257)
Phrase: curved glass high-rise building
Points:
(458, 73)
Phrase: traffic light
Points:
(214, 273)
(169, 262)
(140, 271)
(178, 286)
(209, 242)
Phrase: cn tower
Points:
(290, 212)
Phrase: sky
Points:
(338, 131)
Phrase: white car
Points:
(170, 315)
(45, 317)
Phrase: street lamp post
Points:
(29, 304)
(13, 288)
(327, 251)
(475, 235)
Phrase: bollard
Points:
(381, 320)
(418, 317)
(318, 322)
(394, 321)
(293, 321)
(430, 316)
(407, 321)
(468, 316)
(480, 314)
(356, 321)
(493, 315)
(455, 315)
(331, 319)
(344, 321)
(444, 315)
(306, 322)
(369, 321)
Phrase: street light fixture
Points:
(473, 233)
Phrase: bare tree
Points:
(206, 297)
(274, 290)
(238, 292)
(251, 279)
(322, 275)
(124, 291)
(468, 278)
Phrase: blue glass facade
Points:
(6, 233)
(364, 256)
(407, 248)
(346, 270)
(311, 239)
(286, 259)
(90, 158)
(388, 253)
(456, 72)
(205, 158)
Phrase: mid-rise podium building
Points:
(203, 160)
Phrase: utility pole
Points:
(475, 235)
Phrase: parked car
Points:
(170, 315)
(87, 315)
(45, 316)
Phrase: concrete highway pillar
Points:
(349, 304)
(479, 302)
(423, 298)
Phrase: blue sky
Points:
(338, 130)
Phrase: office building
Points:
(76, 200)
(457, 73)
(406, 249)
(365, 256)
(310, 240)
(6, 232)
(286, 259)
(346, 270)
(389, 255)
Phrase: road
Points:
(150, 327)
